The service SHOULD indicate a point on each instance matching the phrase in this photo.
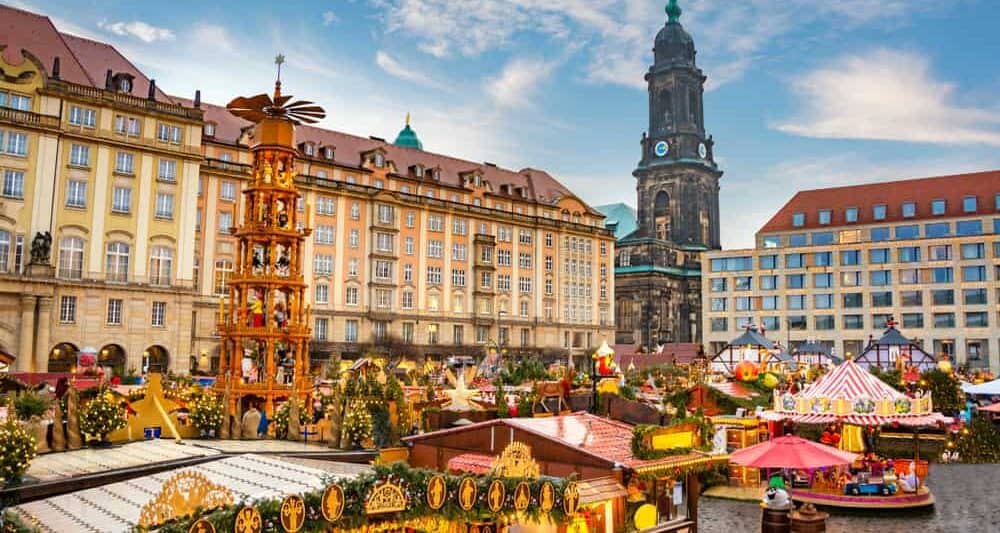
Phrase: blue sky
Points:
(802, 93)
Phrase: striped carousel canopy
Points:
(848, 380)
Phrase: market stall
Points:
(751, 346)
(893, 350)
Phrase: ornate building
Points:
(658, 266)
(132, 195)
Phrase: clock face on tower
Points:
(661, 149)
(702, 151)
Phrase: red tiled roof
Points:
(671, 352)
(473, 463)
(983, 185)
(348, 149)
(81, 61)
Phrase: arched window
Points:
(457, 303)
(4, 250)
(116, 265)
(161, 262)
(661, 215)
(71, 258)
(223, 271)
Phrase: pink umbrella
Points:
(790, 451)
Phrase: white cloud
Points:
(517, 82)
(887, 95)
(329, 17)
(394, 68)
(143, 31)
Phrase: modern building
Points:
(658, 266)
(411, 251)
(833, 265)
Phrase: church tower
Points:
(658, 266)
(678, 180)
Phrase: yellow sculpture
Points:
(182, 495)
(516, 461)
(154, 410)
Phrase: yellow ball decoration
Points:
(945, 366)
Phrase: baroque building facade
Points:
(411, 251)
(658, 266)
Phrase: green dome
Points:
(407, 138)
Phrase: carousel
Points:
(849, 397)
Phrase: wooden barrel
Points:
(808, 520)
(775, 521)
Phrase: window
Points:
(5, 251)
(851, 279)
(943, 297)
(851, 214)
(718, 304)
(383, 270)
(732, 264)
(718, 284)
(822, 238)
(161, 261)
(351, 296)
(882, 299)
(325, 205)
(227, 191)
(79, 155)
(350, 331)
(323, 234)
(434, 275)
(159, 311)
(941, 252)
(974, 273)
(383, 298)
(13, 184)
(909, 209)
(164, 206)
(904, 233)
(503, 282)
(67, 309)
(973, 250)
(383, 242)
(124, 163)
(504, 257)
(458, 277)
(937, 207)
(15, 101)
(408, 332)
(524, 260)
(795, 281)
(386, 214)
(168, 133)
(116, 262)
(408, 245)
(719, 324)
(969, 204)
(913, 320)
(909, 254)
(797, 322)
(225, 222)
(71, 258)
(168, 170)
(850, 257)
(121, 200)
(796, 301)
(322, 264)
(823, 280)
(768, 262)
(322, 293)
(880, 278)
(938, 229)
(524, 285)
(435, 223)
(744, 303)
(223, 271)
(974, 296)
(114, 316)
(354, 238)
(76, 194)
(852, 300)
(768, 283)
(321, 329)
(823, 301)
(911, 298)
(969, 227)
(823, 259)
(435, 248)
(355, 211)
(879, 234)
(878, 212)
(824, 216)
(799, 219)
(978, 319)
(742, 283)
(17, 143)
(824, 322)
(944, 320)
(942, 275)
(18, 253)
(878, 256)
(853, 321)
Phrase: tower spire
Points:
(673, 11)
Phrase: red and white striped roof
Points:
(910, 420)
(848, 380)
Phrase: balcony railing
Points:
(102, 96)
(228, 166)
(28, 118)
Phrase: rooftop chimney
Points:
(55, 68)
(107, 80)
(197, 98)
(152, 90)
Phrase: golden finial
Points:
(278, 60)
(407, 118)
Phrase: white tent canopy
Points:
(990, 388)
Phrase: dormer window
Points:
(124, 85)
(937, 207)
(799, 219)
(379, 160)
(969, 204)
(418, 171)
(209, 129)
(328, 152)
(909, 209)
(878, 212)
(824, 216)
(309, 149)
(437, 174)
(477, 180)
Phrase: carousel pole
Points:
(916, 455)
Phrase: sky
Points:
(801, 94)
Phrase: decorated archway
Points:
(113, 356)
(156, 358)
(62, 357)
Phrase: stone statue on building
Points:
(41, 248)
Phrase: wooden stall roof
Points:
(473, 463)
(600, 489)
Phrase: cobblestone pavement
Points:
(968, 500)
